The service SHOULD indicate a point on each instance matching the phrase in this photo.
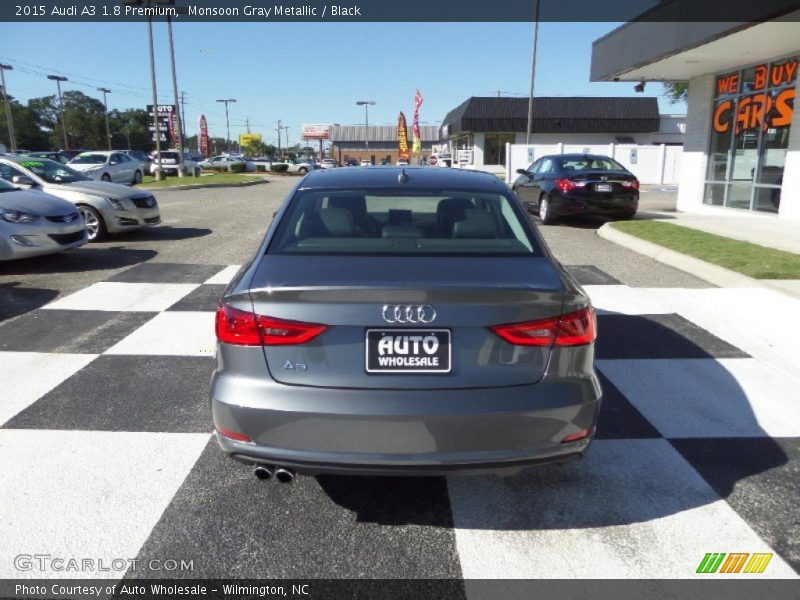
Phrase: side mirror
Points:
(522, 172)
(23, 180)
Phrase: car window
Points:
(590, 163)
(51, 171)
(535, 166)
(90, 159)
(385, 222)
(6, 186)
(8, 172)
(546, 167)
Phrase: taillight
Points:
(632, 184)
(573, 329)
(566, 185)
(244, 328)
(578, 435)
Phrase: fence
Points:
(651, 164)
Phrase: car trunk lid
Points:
(350, 296)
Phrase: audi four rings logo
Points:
(408, 313)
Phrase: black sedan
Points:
(564, 185)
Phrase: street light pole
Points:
(9, 119)
(227, 121)
(366, 104)
(278, 129)
(105, 107)
(58, 79)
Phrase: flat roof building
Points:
(741, 150)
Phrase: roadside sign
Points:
(531, 153)
(464, 157)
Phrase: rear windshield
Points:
(589, 163)
(386, 222)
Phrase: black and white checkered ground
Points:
(106, 450)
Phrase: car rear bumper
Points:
(569, 204)
(404, 432)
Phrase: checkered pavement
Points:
(106, 450)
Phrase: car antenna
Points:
(403, 177)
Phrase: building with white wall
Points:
(741, 151)
(483, 126)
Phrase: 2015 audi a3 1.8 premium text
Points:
(403, 321)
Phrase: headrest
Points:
(476, 224)
(337, 221)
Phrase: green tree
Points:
(84, 117)
(677, 91)
(27, 131)
(130, 129)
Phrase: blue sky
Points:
(308, 72)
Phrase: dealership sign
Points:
(167, 124)
(316, 132)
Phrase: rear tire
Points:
(137, 178)
(545, 211)
(302, 171)
(93, 221)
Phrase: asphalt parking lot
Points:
(108, 351)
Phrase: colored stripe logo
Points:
(734, 562)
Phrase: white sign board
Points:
(316, 132)
(464, 157)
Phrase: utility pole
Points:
(247, 120)
(227, 121)
(286, 127)
(278, 129)
(183, 114)
(58, 79)
(533, 72)
(105, 107)
(9, 119)
(181, 170)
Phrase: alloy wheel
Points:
(91, 221)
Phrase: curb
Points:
(200, 186)
(699, 268)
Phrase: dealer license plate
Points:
(408, 351)
(603, 187)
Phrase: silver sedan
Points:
(107, 208)
(33, 224)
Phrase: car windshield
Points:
(590, 163)
(387, 222)
(53, 172)
(89, 159)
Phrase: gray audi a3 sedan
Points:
(403, 321)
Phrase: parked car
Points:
(33, 223)
(56, 156)
(142, 157)
(106, 208)
(564, 185)
(351, 162)
(296, 166)
(108, 166)
(169, 163)
(329, 163)
(402, 163)
(225, 162)
(456, 342)
(366, 163)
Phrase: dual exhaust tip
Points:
(281, 475)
